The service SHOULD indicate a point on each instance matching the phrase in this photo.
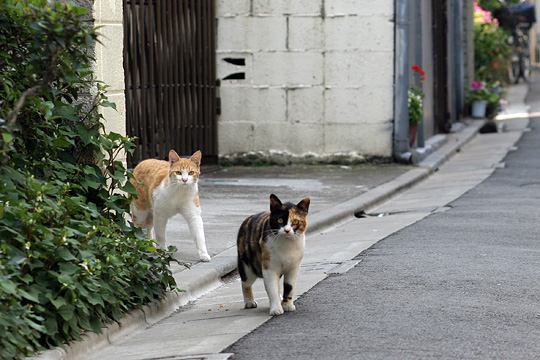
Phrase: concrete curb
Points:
(209, 275)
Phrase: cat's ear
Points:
(304, 204)
(173, 157)
(275, 203)
(196, 157)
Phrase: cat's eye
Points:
(178, 173)
(191, 172)
(280, 221)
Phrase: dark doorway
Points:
(440, 65)
(170, 76)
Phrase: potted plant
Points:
(415, 102)
(479, 96)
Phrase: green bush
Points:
(491, 5)
(491, 53)
(69, 262)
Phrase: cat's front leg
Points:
(160, 226)
(289, 284)
(196, 228)
(271, 284)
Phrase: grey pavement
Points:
(464, 282)
(231, 194)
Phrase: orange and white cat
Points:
(167, 188)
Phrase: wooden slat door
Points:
(170, 77)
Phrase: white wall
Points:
(319, 75)
(109, 60)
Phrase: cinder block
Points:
(251, 33)
(96, 10)
(305, 33)
(108, 11)
(112, 69)
(235, 136)
(287, 7)
(359, 7)
(115, 120)
(358, 68)
(227, 8)
(295, 138)
(305, 105)
(375, 33)
(253, 104)
(225, 68)
(365, 105)
(367, 139)
(288, 68)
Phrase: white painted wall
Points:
(109, 61)
(319, 76)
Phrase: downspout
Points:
(401, 150)
(420, 141)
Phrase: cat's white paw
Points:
(250, 304)
(204, 257)
(288, 306)
(278, 310)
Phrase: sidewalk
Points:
(231, 194)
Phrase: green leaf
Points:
(51, 326)
(106, 103)
(66, 312)
(58, 302)
(8, 286)
(69, 269)
(95, 324)
(7, 137)
(65, 254)
(29, 296)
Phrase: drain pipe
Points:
(401, 150)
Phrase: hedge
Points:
(69, 261)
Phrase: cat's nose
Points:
(184, 180)
(287, 229)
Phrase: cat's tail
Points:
(241, 246)
(241, 270)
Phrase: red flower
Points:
(420, 71)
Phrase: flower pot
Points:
(479, 109)
(412, 134)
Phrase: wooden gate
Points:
(170, 77)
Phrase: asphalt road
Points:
(464, 283)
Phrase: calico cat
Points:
(271, 245)
(167, 188)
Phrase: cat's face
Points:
(288, 219)
(185, 171)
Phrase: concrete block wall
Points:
(318, 76)
(109, 61)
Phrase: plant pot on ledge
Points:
(412, 133)
(479, 96)
(479, 109)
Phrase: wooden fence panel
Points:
(170, 77)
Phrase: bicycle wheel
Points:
(525, 68)
(514, 70)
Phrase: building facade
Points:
(311, 77)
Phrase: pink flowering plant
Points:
(478, 91)
(491, 46)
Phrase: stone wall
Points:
(318, 76)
